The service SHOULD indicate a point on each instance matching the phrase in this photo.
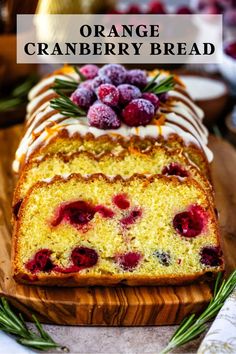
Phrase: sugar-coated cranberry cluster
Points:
(112, 94)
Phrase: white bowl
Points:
(228, 69)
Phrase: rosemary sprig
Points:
(81, 76)
(18, 96)
(65, 106)
(162, 86)
(70, 84)
(15, 324)
(193, 326)
(64, 85)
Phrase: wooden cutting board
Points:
(126, 306)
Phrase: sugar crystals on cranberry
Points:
(115, 72)
(90, 71)
(138, 112)
(83, 97)
(128, 93)
(108, 94)
(103, 117)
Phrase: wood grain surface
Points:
(116, 306)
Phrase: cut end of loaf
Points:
(140, 227)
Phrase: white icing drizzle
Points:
(185, 120)
(198, 110)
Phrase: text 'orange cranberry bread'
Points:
(99, 230)
(114, 182)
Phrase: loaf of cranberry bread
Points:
(114, 182)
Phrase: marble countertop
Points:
(105, 340)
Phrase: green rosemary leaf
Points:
(185, 324)
(65, 85)
(162, 86)
(65, 106)
(217, 283)
(15, 320)
(18, 96)
(38, 344)
(39, 327)
(81, 76)
(22, 89)
(14, 324)
(10, 103)
(151, 82)
(193, 326)
(69, 84)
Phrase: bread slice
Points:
(156, 160)
(96, 230)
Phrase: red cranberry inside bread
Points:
(131, 217)
(121, 201)
(129, 261)
(175, 169)
(84, 257)
(190, 223)
(40, 262)
(211, 256)
(75, 213)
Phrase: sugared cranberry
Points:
(163, 97)
(115, 12)
(108, 94)
(88, 84)
(190, 223)
(16, 208)
(128, 93)
(174, 169)
(211, 9)
(84, 257)
(40, 262)
(90, 71)
(163, 257)
(77, 213)
(100, 80)
(184, 10)
(131, 218)
(121, 201)
(129, 261)
(138, 112)
(156, 7)
(230, 50)
(230, 17)
(82, 97)
(152, 98)
(227, 3)
(211, 256)
(115, 72)
(134, 9)
(104, 211)
(103, 117)
(137, 77)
